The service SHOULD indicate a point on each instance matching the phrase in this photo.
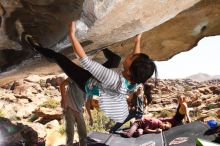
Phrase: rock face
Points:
(169, 27)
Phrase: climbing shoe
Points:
(29, 41)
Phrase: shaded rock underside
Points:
(169, 27)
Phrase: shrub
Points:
(165, 114)
(62, 129)
(101, 123)
(211, 106)
(33, 118)
(187, 88)
(196, 113)
(50, 103)
(155, 114)
(212, 115)
(2, 114)
(43, 83)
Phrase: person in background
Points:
(146, 125)
(72, 102)
(181, 112)
(137, 103)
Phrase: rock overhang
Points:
(169, 27)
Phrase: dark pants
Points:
(130, 116)
(75, 72)
(75, 118)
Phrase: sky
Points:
(204, 58)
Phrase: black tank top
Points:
(178, 116)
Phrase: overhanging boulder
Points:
(169, 27)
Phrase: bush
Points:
(101, 123)
(196, 113)
(2, 114)
(33, 118)
(187, 88)
(43, 83)
(62, 129)
(155, 114)
(212, 114)
(165, 114)
(211, 106)
(50, 103)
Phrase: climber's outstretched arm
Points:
(77, 48)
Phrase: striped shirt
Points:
(112, 88)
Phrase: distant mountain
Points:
(200, 77)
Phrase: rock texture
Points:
(169, 27)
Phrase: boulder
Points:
(40, 128)
(46, 114)
(196, 103)
(33, 78)
(16, 133)
(53, 124)
(112, 23)
(55, 81)
(215, 89)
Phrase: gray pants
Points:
(72, 117)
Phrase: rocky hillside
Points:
(203, 98)
(30, 108)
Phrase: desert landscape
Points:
(30, 107)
